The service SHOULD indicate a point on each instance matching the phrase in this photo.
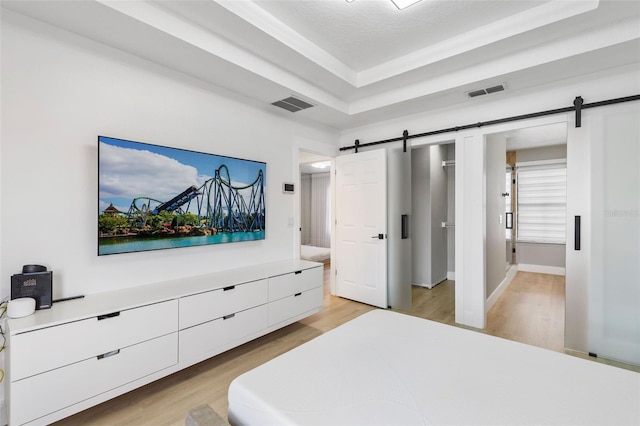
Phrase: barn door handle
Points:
(576, 237)
(404, 225)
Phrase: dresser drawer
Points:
(215, 304)
(289, 307)
(208, 339)
(42, 350)
(296, 282)
(48, 392)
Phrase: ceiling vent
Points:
(292, 104)
(488, 90)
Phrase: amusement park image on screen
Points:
(154, 197)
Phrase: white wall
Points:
(495, 213)
(542, 153)
(451, 212)
(613, 83)
(429, 186)
(541, 254)
(59, 91)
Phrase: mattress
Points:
(315, 254)
(385, 368)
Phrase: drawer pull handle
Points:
(226, 317)
(231, 287)
(111, 315)
(108, 354)
(297, 272)
(297, 294)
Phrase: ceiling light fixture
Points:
(400, 4)
(403, 4)
(321, 164)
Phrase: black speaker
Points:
(34, 282)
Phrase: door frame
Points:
(323, 149)
(470, 282)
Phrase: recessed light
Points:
(403, 4)
(321, 164)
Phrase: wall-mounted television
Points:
(153, 197)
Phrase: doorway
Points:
(527, 198)
(315, 207)
(526, 221)
(433, 210)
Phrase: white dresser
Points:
(85, 351)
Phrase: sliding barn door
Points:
(361, 227)
(603, 245)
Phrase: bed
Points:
(386, 368)
(315, 254)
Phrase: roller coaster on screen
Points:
(218, 203)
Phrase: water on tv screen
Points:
(155, 197)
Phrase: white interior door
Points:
(603, 257)
(361, 227)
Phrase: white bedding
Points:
(391, 369)
(315, 254)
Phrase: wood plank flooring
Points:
(531, 311)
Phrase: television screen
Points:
(154, 197)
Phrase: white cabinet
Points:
(215, 321)
(214, 304)
(78, 340)
(295, 305)
(51, 368)
(213, 337)
(289, 284)
(48, 392)
(82, 352)
(294, 294)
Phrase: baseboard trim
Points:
(430, 285)
(511, 273)
(541, 269)
(451, 276)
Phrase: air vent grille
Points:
(477, 93)
(495, 89)
(292, 104)
(488, 90)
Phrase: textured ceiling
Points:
(366, 33)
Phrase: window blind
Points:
(542, 201)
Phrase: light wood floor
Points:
(530, 311)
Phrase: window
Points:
(542, 201)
